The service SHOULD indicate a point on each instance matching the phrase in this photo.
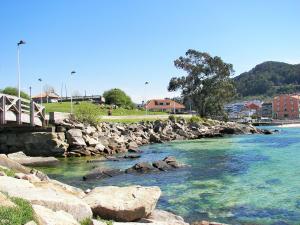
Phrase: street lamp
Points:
(21, 42)
(30, 88)
(145, 102)
(41, 97)
(72, 73)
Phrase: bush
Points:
(87, 221)
(21, 214)
(87, 113)
(172, 118)
(195, 119)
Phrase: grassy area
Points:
(21, 214)
(130, 120)
(66, 106)
(8, 172)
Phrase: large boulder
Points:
(11, 164)
(47, 216)
(75, 139)
(123, 203)
(46, 196)
(21, 158)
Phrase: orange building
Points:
(286, 106)
(165, 105)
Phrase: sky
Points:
(124, 43)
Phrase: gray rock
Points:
(141, 167)
(75, 139)
(101, 173)
(46, 196)
(123, 203)
(21, 158)
(161, 165)
(47, 216)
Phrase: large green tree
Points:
(14, 91)
(207, 83)
(118, 97)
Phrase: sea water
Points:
(245, 179)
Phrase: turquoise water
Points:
(248, 179)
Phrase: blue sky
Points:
(123, 43)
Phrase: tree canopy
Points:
(207, 84)
(14, 91)
(118, 97)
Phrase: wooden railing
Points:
(25, 111)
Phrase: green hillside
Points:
(268, 79)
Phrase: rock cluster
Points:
(168, 163)
(72, 138)
(111, 138)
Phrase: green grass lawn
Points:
(66, 107)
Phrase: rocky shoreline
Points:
(56, 203)
(70, 138)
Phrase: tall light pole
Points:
(21, 42)
(30, 88)
(72, 73)
(41, 97)
(145, 102)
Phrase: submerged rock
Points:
(123, 203)
(141, 167)
(100, 173)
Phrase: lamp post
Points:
(30, 88)
(72, 73)
(41, 97)
(145, 102)
(21, 42)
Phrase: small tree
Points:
(118, 97)
(14, 91)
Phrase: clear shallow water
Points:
(249, 179)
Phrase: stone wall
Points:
(33, 143)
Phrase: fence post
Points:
(19, 112)
(2, 110)
(43, 117)
(32, 113)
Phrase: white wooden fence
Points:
(20, 111)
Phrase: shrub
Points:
(195, 119)
(8, 172)
(172, 118)
(21, 214)
(86, 221)
(87, 113)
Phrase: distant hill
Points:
(268, 79)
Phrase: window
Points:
(168, 103)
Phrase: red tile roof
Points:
(166, 104)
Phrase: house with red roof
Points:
(164, 105)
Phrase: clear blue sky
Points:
(123, 43)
